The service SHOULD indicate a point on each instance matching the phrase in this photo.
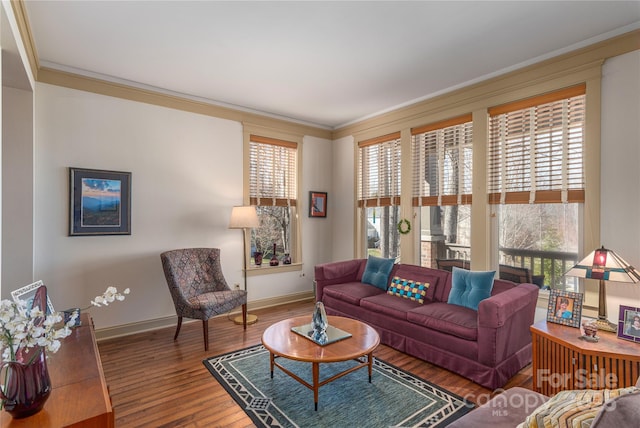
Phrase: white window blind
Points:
(379, 171)
(442, 156)
(272, 171)
(536, 148)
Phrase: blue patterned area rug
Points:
(395, 398)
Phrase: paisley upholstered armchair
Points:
(198, 287)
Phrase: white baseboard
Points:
(172, 321)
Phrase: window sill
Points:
(265, 269)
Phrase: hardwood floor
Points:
(156, 382)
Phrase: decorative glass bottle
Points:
(274, 258)
(319, 320)
(319, 323)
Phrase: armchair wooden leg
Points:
(244, 316)
(175, 337)
(205, 331)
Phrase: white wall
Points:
(184, 181)
(620, 210)
(186, 176)
(17, 189)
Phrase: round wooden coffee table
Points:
(280, 341)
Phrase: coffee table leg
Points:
(271, 362)
(370, 358)
(316, 380)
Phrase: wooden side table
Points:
(79, 396)
(561, 360)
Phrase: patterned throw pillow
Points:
(408, 289)
(572, 408)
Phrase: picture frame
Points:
(317, 204)
(629, 323)
(100, 202)
(28, 292)
(565, 307)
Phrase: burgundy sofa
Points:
(488, 346)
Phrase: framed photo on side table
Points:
(629, 323)
(565, 307)
(317, 204)
(28, 292)
(100, 202)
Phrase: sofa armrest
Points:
(337, 273)
(503, 323)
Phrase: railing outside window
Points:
(548, 267)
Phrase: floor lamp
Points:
(244, 218)
(604, 265)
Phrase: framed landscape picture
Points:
(629, 323)
(317, 204)
(100, 202)
(565, 307)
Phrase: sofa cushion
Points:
(377, 272)
(351, 292)
(469, 288)
(572, 408)
(389, 305)
(450, 319)
(412, 290)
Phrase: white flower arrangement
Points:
(109, 296)
(22, 329)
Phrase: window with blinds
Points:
(536, 148)
(379, 168)
(442, 162)
(273, 172)
(379, 171)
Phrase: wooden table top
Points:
(609, 344)
(280, 340)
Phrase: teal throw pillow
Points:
(377, 272)
(469, 288)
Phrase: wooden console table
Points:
(561, 360)
(79, 396)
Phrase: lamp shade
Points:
(244, 218)
(606, 265)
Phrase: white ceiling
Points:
(322, 63)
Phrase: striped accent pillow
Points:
(408, 289)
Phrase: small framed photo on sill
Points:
(100, 202)
(629, 323)
(317, 204)
(565, 307)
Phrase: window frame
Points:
(432, 140)
(264, 134)
(365, 198)
(566, 192)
